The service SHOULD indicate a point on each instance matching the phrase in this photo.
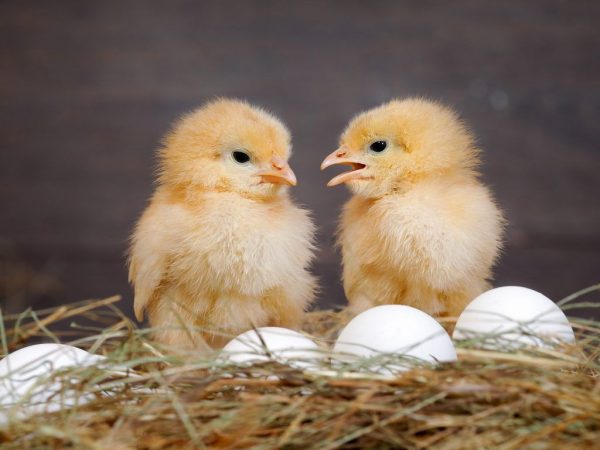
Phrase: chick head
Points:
(401, 142)
(229, 146)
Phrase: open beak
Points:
(279, 173)
(340, 156)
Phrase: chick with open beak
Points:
(421, 228)
(341, 157)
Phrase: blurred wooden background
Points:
(88, 88)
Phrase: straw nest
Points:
(489, 399)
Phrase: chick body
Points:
(210, 260)
(421, 229)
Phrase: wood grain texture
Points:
(89, 88)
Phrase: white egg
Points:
(26, 384)
(387, 332)
(512, 317)
(274, 344)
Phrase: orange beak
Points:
(340, 156)
(279, 173)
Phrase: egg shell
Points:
(26, 383)
(394, 330)
(280, 344)
(513, 317)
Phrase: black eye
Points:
(378, 146)
(241, 157)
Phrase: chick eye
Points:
(378, 146)
(241, 157)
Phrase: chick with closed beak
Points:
(222, 248)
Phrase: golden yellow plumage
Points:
(222, 247)
(420, 229)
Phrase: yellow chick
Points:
(222, 248)
(421, 229)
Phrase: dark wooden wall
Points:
(88, 88)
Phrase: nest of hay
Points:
(488, 399)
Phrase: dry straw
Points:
(489, 399)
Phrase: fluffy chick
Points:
(420, 229)
(221, 247)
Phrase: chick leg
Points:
(282, 310)
(173, 329)
(456, 301)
